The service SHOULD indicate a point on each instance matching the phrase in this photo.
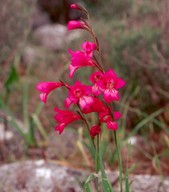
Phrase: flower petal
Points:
(73, 24)
(119, 83)
(43, 97)
(117, 115)
(67, 102)
(112, 125)
(89, 47)
(85, 103)
(72, 70)
(110, 95)
(95, 130)
(60, 127)
(95, 90)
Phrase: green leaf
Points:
(86, 184)
(32, 140)
(105, 183)
(127, 181)
(11, 79)
(39, 126)
(146, 121)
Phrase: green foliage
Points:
(12, 78)
(28, 133)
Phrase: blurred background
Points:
(134, 40)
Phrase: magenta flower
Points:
(89, 47)
(46, 88)
(109, 85)
(79, 59)
(90, 104)
(75, 6)
(73, 24)
(76, 92)
(64, 117)
(95, 78)
(95, 130)
(111, 121)
(78, 7)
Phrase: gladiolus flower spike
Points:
(93, 98)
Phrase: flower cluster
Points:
(97, 97)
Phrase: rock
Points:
(54, 37)
(148, 183)
(43, 176)
(51, 36)
(5, 135)
(40, 176)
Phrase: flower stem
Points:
(97, 161)
(119, 162)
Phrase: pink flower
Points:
(75, 6)
(89, 47)
(95, 78)
(64, 117)
(46, 88)
(79, 59)
(78, 7)
(76, 92)
(90, 104)
(109, 85)
(111, 121)
(77, 25)
(95, 130)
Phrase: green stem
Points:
(88, 127)
(97, 161)
(119, 162)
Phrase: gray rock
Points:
(54, 37)
(42, 176)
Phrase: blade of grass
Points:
(105, 183)
(39, 108)
(145, 121)
(39, 126)
(127, 181)
(32, 140)
(89, 179)
(14, 124)
(162, 125)
(25, 105)
(119, 161)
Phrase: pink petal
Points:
(110, 73)
(76, 25)
(74, 6)
(95, 90)
(105, 116)
(119, 83)
(117, 115)
(68, 102)
(60, 128)
(72, 70)
(48, 86)
(112, 125)
(85, 103)
(96, 77)
(95, 130)
(89, 47)
(110, 95)
(43, 97)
